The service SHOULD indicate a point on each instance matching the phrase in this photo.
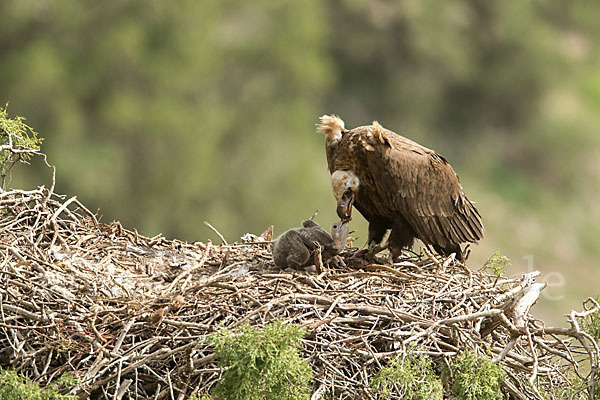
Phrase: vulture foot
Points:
(357, 262)
(337, 261)
(368, 256)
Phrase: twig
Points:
(216, 232)
(318, 259)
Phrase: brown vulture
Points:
(400, 185)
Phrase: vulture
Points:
(400, 185)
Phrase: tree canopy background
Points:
(164, 114)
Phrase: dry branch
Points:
(128, 314)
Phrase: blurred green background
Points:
(164, 114)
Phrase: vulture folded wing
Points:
(420, 184)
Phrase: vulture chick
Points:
(400, 185)
(294, 247)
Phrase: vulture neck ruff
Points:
(332, 127)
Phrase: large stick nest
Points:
(127, 314)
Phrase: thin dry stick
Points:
(217, 232)
(318, 260)
(191, 270)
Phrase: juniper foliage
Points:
(476, 377)
(18, 142)
(262, 364)
(413, 376)
(14, 386)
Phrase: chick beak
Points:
(339, 233)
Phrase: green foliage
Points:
(219, 100)
(591, 323)
(262, 365)
(205, 396)
(14, 386)
(497, 263)
(577, 389)
(414, 378)
(214, 101)
(476, 377)
(20, 142)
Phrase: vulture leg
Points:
(368, 255)
(402, 236)
(380, 247)
(446, 251)
(377, 229)
(375, 248)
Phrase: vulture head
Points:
(344, 185)
(339, 233)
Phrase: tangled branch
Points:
(129, 314)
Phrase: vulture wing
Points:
(417, 182)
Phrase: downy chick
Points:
(295, 247)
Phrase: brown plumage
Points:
(400, 185)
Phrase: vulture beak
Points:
(344, 206)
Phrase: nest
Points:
(128, 314)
